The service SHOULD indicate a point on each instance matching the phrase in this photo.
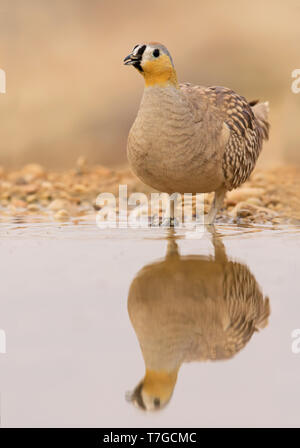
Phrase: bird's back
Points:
(241, 126)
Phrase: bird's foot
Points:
(169, 222)
(208, 220)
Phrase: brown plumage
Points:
(191, 308)
(192, 139)
(247, 123)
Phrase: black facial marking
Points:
(141, 50)
(156, 53)
(138, 66)
(137, 395)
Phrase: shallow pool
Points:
(211, 319)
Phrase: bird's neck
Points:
(161, 101)
(160, 73)
(160, 383)
(162, 80)
(159, 355)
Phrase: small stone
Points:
(294, 221)
(79, 189)
(242, 194)
(46, 185)
(278, 220)
(272, 201)
(62, 215)
(20, 181)
(254, 201)
(59, 186)
(33, 171)
(30, 188)
(103, 172)
(12, 209)
(18, 203)
(278, 206)
(33, 208)
(244, 209)
(31, 198)
(6, 185)
(59, 204)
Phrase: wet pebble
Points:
(244, 209)
(242, 194)
(59, 204)
(62, 215)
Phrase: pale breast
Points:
(168, 149)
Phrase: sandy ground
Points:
(270, 196)
(70, 94)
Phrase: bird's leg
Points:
(216, 205)
(169, 221)
(172, 213)
(172, 250)
(219, 248)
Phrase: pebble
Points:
(242, 194)
(33, 208)
(269, 196)
(19, 203)
(62, 215)
(33, 171)
(244, 209)
(79, 188)
(254, 201)
(31, 198)
(58, 204)
(30, 188)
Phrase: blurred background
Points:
(69, 95)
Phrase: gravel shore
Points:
(270, 196)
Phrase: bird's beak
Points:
(131, 59)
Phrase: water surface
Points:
(75, 344)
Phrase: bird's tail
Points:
(261, 112)
(263, 317)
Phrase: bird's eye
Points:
(156, 402)
(156, 53)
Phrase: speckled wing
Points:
(219, 108)
(247, 308)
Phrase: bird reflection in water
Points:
(191, 308)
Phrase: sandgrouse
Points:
(188, 138)
(191, 308)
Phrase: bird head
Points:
(154, 391)
(154, 62)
